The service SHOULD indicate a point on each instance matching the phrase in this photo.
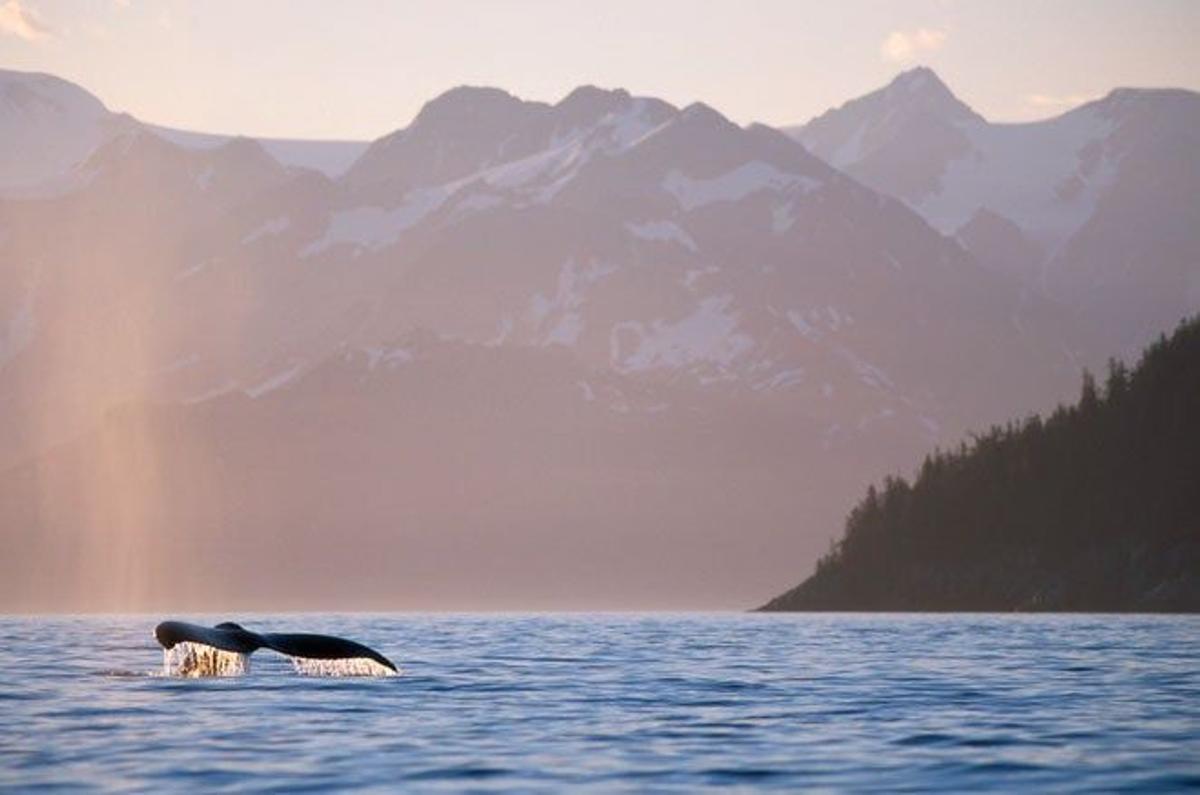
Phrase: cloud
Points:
(17, 20)
(904, 45)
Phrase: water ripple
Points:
(658, 702)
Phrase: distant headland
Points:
(1095, 508)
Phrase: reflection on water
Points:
(619, 702)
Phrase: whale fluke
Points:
(231, 638)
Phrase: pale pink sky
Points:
(360, 68)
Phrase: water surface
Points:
(640, 702)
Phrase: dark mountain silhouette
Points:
(1096, 508)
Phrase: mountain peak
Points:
(911, 128)
(135, 145)
(700, 113)
(245, 154)
(49, 127)
(588, 103)
(21, 89)
(589, 96)
(920, 88)
(917, 78)
(467, 104)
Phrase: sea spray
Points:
(192, 660)
(347, 666)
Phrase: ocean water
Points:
(618, 702)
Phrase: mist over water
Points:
(604, 702)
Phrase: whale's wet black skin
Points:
(232, 637)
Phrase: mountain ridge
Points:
(636, 305)
(1067, 183)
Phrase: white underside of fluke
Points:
(194, 660)
(348, 666)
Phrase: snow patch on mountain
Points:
(734, 185)
(810, 322)
(781, 380)
(851, 150)
(566, 331)
(693, 277)
(868, 373)
(374, 228)
(550, 170)
(631, 126)
(47, 127)
(665, 231)
(381, 356)
(866, 420)
(476, 202)
(783, 217)
(709, 335)
(223, 388)
(802, 325)
(1045, 176)
(560, 313)
(272, 228)
(535, 179)
(275, 381)
(539, 177)
(503, 329)
(190, 271)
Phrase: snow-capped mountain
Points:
(49, 127)
(913, 139)
(609, 299)
(1104, 197)
(502, 315)
(642, 237)
(1134, 266)
(898, 139)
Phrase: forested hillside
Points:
(1095, 508)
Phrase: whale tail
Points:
(224, 649)
(326, 652)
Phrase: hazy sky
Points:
(360, 68)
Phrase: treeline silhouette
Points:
(1096, 507)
